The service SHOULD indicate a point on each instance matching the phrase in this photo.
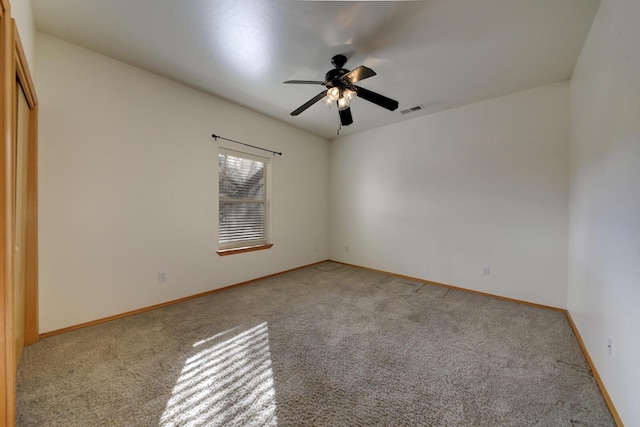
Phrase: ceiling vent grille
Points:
(412, 109)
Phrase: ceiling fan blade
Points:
(304, 82)
(376, 98)
(345, 116)
(309, 103)
(358, 74)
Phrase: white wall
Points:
(604, 267)
(128, 188)
(441, 196)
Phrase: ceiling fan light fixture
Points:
(333, 94)
(343, 103)
(326, 101)
(349, 94)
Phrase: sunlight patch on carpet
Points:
(225, 382)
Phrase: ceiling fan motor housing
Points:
(333, 77)
(338, 61)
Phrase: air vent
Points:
(412, 109)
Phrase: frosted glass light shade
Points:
(333, 94)
(349, 94)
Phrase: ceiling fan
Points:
(341, 89)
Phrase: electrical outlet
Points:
(486, 270)
(346, 248)
(610, 346)
(162, 276)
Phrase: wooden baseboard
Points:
(164, 304)
(444, 285)
(603, 390)
(596, 375)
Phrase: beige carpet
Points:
(327, 345)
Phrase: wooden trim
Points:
(13, 69)
(607, 398)
(31, 325)
(22, 69)
(594, 370)
(7, 83)
(6, 384)
(224, 252)
(596, 375)
(164, 304)
(23, 76)
(444, 285)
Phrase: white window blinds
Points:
(243, 184)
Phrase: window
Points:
(244, 202)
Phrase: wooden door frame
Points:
(31, 238)
(13, 68)
(7, 353)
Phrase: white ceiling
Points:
(438, 53)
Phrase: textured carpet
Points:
(327, 345)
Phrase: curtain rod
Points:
(214, 136)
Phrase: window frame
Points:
(226, 248)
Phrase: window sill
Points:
(224, 252)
